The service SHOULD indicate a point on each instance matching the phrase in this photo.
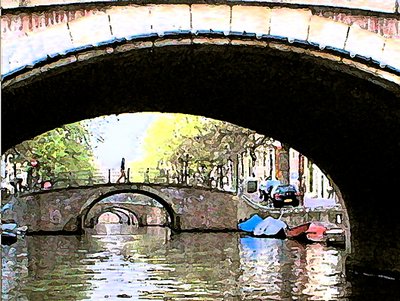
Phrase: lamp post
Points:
(184, 160)
(271, 149)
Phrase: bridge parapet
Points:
(87, 178)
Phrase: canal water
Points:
(152, 264)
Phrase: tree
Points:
(62, 150)
(197, 144)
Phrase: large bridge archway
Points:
(342, 112)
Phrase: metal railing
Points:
(22, 183)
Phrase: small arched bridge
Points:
(69, 209)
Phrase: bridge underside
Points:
(346, 124)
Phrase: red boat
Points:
(316, 232)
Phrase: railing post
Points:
(109, 176)
(128, 176)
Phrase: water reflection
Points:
(153, 265)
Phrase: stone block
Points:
(170, 18)
(21, 52)
(210, 18)
(391, 54)
(326, 32)
(55, 40)
(364, 43)
(130, 21)
(7, 52)
(250, 19)
(290, 23)
(90, 31)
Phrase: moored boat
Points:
(10, 233)
(317, 232)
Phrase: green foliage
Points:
(58, 151)
(174, 138)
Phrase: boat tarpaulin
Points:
(251, 223)
(269, 226)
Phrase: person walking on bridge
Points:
(122, 171)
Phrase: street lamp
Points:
(270, 148)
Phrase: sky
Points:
(122, 137)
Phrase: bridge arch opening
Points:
(137, 217)
(170, 215)
(126, 216)
(131, 216)
(110, 217)
(322, 111)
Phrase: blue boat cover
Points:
(269, 226)
(250, 224)
(8, 227)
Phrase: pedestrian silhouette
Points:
(122, 171)
(147, 176)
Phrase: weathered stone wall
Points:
(297, 216)
(204, 210)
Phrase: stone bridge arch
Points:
(152, 193)
(48, 46)
(65, 210)
(342, 112)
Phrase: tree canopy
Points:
(63, 149)
(175, 139)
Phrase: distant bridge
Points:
(73, 210)
(67, 209)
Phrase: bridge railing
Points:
(24, 183)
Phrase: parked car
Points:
(285, 194)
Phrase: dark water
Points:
(153, 265)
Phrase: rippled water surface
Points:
(153, 265)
